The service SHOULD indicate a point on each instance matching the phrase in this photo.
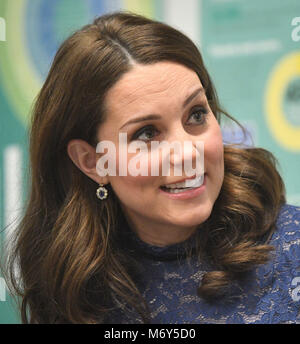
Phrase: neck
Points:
(159, 234)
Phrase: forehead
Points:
(151, 84)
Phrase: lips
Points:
(181, 194)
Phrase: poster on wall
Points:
(252, 50)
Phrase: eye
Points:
(198, 116)
(145, 134)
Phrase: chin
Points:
(193, 218)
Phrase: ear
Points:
(84, 157)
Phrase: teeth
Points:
(188, 183)
(195, 183)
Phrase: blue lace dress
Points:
(269, 294)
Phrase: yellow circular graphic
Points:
(287, 134)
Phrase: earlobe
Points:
(83, 156)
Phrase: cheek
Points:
(214, 150)
(133, 165)
(131, 191)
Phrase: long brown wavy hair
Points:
(66, 264)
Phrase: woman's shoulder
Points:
(288, 223)
(286, 238)
(288, 211)
(280, 277)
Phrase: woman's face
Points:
(163, 91)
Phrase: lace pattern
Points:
(269, 294)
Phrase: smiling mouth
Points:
(188, 184)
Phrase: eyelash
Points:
(202, 110)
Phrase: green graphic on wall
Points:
(255, 62)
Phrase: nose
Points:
(187, 156)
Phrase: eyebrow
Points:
(155, 117)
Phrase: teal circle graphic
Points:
(48, 23)
(35, 30)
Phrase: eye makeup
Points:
(148, 132)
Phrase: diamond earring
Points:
(101, 192)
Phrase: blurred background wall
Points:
(251, 49)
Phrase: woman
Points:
(92, 248)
